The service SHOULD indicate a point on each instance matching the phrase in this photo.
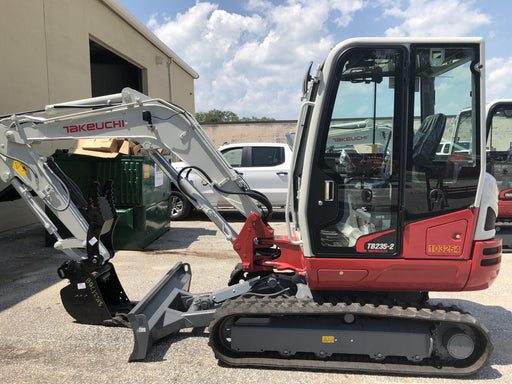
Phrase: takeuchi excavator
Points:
(499, 163)
(374, 221)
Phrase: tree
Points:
(254, 118)
(216, 116)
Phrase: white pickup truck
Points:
(264, 166)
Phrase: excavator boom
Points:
(153, 123)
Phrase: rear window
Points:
(267, 156)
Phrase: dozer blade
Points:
(160, 313)
(95, 297)
(170, 307)
(98, 298)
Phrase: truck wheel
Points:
(180, 206)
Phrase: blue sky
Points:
(251, 55)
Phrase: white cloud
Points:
(499, 78)
(258, 5)
(253, 64)
(347, 9)
(434, 17)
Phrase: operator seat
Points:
(425, 143)
(427, 139)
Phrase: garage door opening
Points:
(111, 73)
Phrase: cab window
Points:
(444, 163)
(233, 156)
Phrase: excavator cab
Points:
(376, 194)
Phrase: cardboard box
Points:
(104, 148)
(110, 148)
(124, 148)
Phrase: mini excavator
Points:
(376, 217)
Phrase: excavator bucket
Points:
(94, 294)
(96, 297)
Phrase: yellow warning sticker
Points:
(146, 171)
(19, 167)
(328, 339)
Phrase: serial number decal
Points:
(443, 248)
(95, 294)
(380, 247)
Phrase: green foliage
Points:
(216, 116)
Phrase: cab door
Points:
(354, 182)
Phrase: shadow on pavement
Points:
(178, 238)
(28, 267)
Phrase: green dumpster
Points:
(142, 195)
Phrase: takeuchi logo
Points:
(94, 126)
(354, 138)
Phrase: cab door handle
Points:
(282, 173)
(328, 190)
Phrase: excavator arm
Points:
(153, 123)
(94, 294)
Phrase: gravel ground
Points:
(40, 343)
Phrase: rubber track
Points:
(281, 306)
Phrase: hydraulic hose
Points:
(256, 195)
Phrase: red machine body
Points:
(439, 255)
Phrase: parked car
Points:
(264, 166)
